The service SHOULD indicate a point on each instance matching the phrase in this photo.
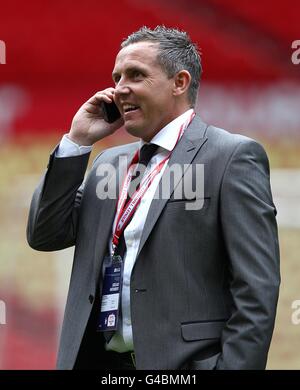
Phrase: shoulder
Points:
(109, 155)
(219, 140)
(231, 144)
(226, 138)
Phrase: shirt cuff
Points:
(68, 148)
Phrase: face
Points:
(143, 91)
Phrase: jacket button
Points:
(91, 298)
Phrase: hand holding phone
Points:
(90, 124)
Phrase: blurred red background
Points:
(61, 52)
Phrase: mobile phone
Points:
(110, 112)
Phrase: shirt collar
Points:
(167, 136)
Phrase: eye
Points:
(116, 79)
(136, 74)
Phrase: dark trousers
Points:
(92, 354)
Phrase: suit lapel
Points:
(104, 228)
(184, 153)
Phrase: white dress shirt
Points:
(166, 140)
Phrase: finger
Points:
(98, 98)
(109, 92)
(93, 105)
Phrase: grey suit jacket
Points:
(205, 284)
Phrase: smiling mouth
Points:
(130, 109)
(130, 112)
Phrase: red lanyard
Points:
(125, 212)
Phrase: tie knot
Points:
(146, 153)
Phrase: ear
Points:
(182, 81)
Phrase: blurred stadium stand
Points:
(59, 53)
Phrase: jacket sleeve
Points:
(251, 240)
(52, 221)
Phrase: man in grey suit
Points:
(160, 281)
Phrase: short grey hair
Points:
(176, 52)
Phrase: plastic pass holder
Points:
(111, 292)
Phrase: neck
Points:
(182, 110)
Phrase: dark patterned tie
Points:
(146, 153)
